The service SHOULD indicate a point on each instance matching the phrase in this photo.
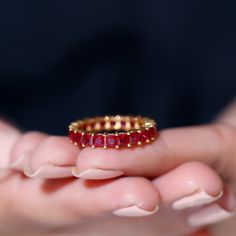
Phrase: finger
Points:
(211, 144)
(44, 156)
(224, 209)
(199, 188)
(8, 136)
(69, 201)
(23, 148)
(228, 116)
(192, 184)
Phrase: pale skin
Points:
(192, 163)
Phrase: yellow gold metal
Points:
(106, 118)
(107, 125)
(136, 125)
(117, 117)
(89, 128)
(117, 126)
(139, 122)
(97, 126)
(92, 139)
(128, 125)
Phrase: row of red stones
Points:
(112, 140)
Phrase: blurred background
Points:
(171, 60)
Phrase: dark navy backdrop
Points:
(63, 60)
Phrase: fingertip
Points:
(137, 191)
(22, 149)
(189, 185)
(40, 155)
(54, 150)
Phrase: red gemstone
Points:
(132, 123)
(93, 124)
(98, 140)
(87, 140)
(72, 135)
(123, 124)
(102, 124)
(135, 137)
(124, 139)
(112, 141)
(152, 132)
(113, 124)
(77, 138)
(144, 135)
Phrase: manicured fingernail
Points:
(134, 211)
(96, 173)
(49, 172)
(209, 215)
(197, 199)
(19, 163)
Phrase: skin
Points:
(181, 162)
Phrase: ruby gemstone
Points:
(72, 135)
(123, 124)
(113, 124)
(102, 124)
(132, 123)
(87, 140)
(152, 132)
(98, 140)
(124, 139)
(144, 135)
(78, 137)
(135, 137)
(112, 141)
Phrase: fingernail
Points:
(49, 172)
(19, 163)
(133, 211)
(96, 173)
(209, 215)
(197, 199)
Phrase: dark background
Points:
(63, 60)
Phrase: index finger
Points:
(205, 143)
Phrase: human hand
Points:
(79, 206)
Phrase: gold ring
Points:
(113, 131)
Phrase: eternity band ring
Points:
(113, 131)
